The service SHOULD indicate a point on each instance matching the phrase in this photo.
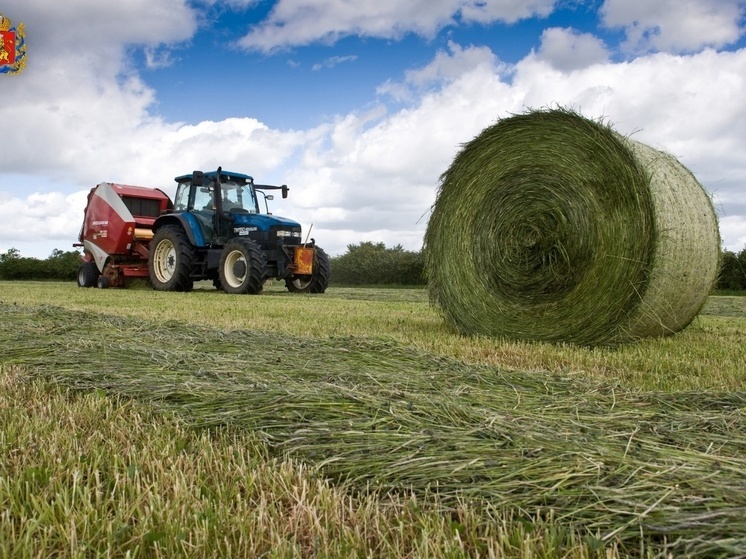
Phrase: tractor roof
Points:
(212, 174)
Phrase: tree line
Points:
(373, 264)
(364, 263)
(59, 266)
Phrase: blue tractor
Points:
(216, 231)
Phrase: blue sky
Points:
(301, 85)
(358, 105)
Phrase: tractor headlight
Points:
(288, 234)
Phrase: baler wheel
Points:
(170, 260)
(242, 267)
(87, 274)
(316, 282)
(103, 282)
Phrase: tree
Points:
(11, 254)
(370, 263)
(732, 274)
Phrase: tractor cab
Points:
(214, 199)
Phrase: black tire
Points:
(242, 267)
(102, 282)
(170, 260)
(87, 274)
(316, 282)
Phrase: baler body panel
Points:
(110, 228)
(109, 225)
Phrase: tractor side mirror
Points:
(198, 178)
(285, 191)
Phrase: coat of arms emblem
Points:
(12, 47)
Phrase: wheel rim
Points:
(164, 261)
(229, 268)
(300, 283)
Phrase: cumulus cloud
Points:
(733, 231)
(508, 11)
(446, 66)
(39, 216)
(676, 25)
(291, 23)
(567, 49)
(81, 27)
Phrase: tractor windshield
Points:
(238, 197)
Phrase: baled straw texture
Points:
(552, 227)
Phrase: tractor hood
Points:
(264, 222)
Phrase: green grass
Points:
(729, 293)
(83, 475)
(707, 355)
(402, 438)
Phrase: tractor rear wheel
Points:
(87, 274)
(242, 267)
(170, 260)
(316, 282)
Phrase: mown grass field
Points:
(354, 424)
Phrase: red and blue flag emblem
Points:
(12, 47)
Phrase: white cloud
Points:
(40, 217)
(733, 230)
(80, 28)
(446, 67)
(567, 50)
(156, 58)
(676, 25)
(509, 11)
(333, 61)
(292, 23)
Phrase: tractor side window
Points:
(203, 199)
(246, 198)
(181, 200)
(231, 200)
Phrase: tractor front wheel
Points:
(87, 274)
(170, 260)
(317, 282)
(242, 267)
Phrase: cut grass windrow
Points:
(599, 458)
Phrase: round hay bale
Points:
(550, 226)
